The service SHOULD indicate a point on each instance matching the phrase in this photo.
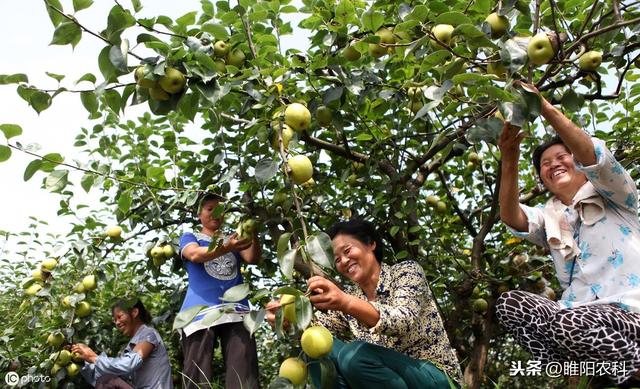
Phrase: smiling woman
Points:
(387, 329)
(590, 225)
(144, 362)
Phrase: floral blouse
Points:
(606, 268)
(409, 319)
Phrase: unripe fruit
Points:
(140, 80)
(158, 94)
(156, 252)
(287, 135)
(235, 58)
(83, 309)
(441, 207)
(73, 370)
(351, 54)
(480, 305)
(55, 339)
(173, 80)
(432, 200)
(324, 115)
(168, 251)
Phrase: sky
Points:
(25, 33)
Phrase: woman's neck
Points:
(370, 284)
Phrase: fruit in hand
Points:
(246, 228)
(316, 341)
(301, 168)
(173, 80)
(293, 369)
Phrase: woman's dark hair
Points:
(363, 231)
(537, 153)
(208, 196)
(129, 305)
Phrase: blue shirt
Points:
(209, 280)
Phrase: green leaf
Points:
(453, 18)
(211, 317)
(79, 5)
(124, 202)
(265, 170)
(56, 17)
(10, 130)
(50, 161)
(345, 11)
(118, 20)
(187, 19)
(113, 100)
(5, 153)
(87, 77)
(320, 249)
(287, 261)
(254, 320)
(236, 293)
(87, 182)
(142, 38)
(155, 172)
(57, 77)
(66, 33)
(57, 180)
(40, 101)
(287, 290)
(185, 317)
(487, 130)
(304, 312)
(419, 13)
(283, 244)
(189, 104)
(13, 78)
(372, 20)
(31, 169)
(107, 69)
(137, 5)
(89, 101)
(572, 101)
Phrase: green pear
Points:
(301, 168)
(220, 49)
(540, 49)
(590, 61)
(351, 54)
(139, 76)
(297, 116)
(499, 25)
(324, 115)
(235, 58)
(443, 33)
(173, 80)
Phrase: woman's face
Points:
(354, 259)
(207, 218)
(125, 321)
(558, 171)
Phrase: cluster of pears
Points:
(316, 342)
(296, 118)
(223, 55)
(41, 275)
(64, 359)
(161, 87)
(82, 308)
(160, 254)
(434, 201)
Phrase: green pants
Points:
(365, 365)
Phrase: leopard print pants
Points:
(551, 333)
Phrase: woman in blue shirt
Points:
(212, 272)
